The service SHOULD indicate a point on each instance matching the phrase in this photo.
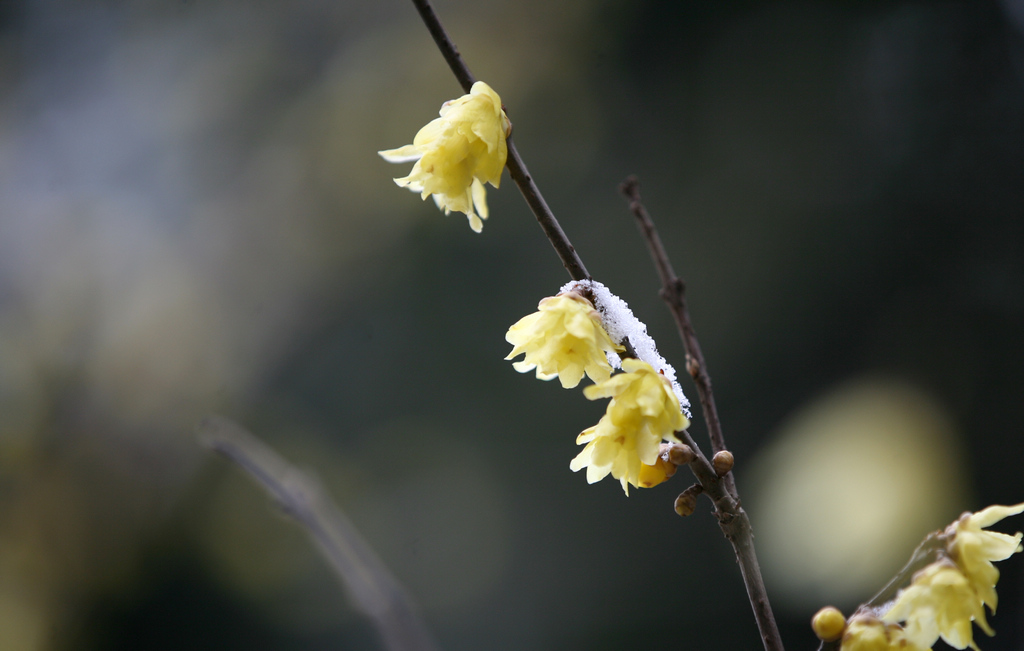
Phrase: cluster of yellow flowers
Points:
(942, 600)
(457, 153)
(566, 338)
(643, 411)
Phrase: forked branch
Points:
(722, 490)
(733, 519)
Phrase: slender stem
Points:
(444, 43)
(673, 291)
(735, 525)
(563, 247)
(932, 547)
(732, 518)
(516, 167)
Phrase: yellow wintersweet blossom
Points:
(564, 338)
(939, 602)
(945, 597)
(868, 633)
(973, 549)
(457, 153)
(643, 411)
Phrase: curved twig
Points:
(374, 590)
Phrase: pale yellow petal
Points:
(404, 154)
(993, 514)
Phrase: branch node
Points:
(692, 366)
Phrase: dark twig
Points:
(731, 517)
(369, 582)
(565, 250)
(673, 291)
(516, 167)
(444, 43)
(735, 526)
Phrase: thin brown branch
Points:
(516, 167)
(370, 584)
(735, 525)
(673, 291)
(444, 43)
(563, 247)
(731, 517)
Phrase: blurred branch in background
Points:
(372, 587)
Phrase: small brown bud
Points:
(686, 503)
(680, 454)
(828, 624)
(722, 462)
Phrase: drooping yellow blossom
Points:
(457, 153)
(939, 602)
(973, 549)
(564, 338)
(868, 633)
(643, 411)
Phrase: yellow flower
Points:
(457, 153)
(643, 411)
(939, 602)
(564, 338)
(974, 549)
(868, 633)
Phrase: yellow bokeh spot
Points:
(850, 485)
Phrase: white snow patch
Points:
(620, 323)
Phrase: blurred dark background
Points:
(193, 220)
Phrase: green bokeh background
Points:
(193, 220)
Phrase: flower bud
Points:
(722, 462)
(680, 454)
(828, 624)
(686, 503)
